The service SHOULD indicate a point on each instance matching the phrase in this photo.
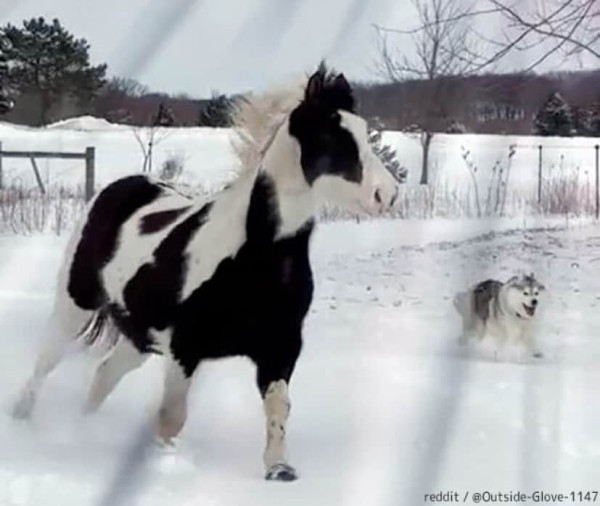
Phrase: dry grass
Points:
(26, 211)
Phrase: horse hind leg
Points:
(65, 323)
(123, 358)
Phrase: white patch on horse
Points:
(173, 409)
(277, 409)
(135, 249)
(221, 236)
(122, 359)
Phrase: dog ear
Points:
(514, 279)
(541, 287)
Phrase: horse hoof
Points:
(281, 472)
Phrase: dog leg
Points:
(531, 345)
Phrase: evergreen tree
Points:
(46, 60)
(6, 103)
(215, 112)
(164, 117)
(554, 118)
(583, 121)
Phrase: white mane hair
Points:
(257, 118)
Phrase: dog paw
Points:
(281, 472)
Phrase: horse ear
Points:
(315, 86)
(342, 84)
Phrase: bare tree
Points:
(126, 86)
(444, 46)
(570, 27)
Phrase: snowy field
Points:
(386, 406)
(209, 160)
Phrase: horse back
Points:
(98, 241)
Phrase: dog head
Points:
(523, 295)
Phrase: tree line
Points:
(46, 74)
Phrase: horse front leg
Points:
(173, 408)
(273, 378)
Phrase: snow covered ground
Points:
(386, 407)
(209, 159)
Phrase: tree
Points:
(164, 117)
(46, 60)
(215, 112)
(124, 87)
(554, 118)
(553, 26)
(587, 120)
(444, 47)
(6, 103)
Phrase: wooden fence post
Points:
(90, 155)
(540, 174)
(1, 169)
(597, 148)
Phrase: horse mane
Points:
(257, 117)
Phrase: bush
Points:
(171, 168)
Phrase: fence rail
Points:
(89, 155)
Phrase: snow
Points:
(85, 123)
(385, 405)
(210, 161)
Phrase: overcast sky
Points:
(196, 46)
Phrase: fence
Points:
(89, 155)
(596, 170)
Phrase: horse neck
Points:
(295, 201)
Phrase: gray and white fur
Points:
(504, 311)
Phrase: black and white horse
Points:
(162, 273)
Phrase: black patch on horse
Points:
(262, 220)
(326, 147)
(113, 207)
(483, 293)
(255, 302)
(152, 295)
(155, 222)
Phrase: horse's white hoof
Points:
(165, 445)
(281, 472)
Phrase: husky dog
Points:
(503, 311)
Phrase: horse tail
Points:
(100, 329)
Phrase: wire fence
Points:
(130, 475)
